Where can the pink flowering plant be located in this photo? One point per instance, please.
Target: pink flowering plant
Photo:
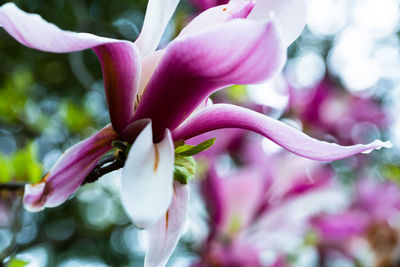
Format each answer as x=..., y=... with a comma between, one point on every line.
x=157, y=99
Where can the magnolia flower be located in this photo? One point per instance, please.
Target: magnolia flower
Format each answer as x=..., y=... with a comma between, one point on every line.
x=372, y=217
x=327, y=109
x=157, y=97
x=264, y=209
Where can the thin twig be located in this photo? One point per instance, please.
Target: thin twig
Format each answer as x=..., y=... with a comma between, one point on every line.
x=12, y=186
x=105, y=165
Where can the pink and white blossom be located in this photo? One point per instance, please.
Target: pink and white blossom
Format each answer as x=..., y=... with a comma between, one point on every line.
x=238, y=43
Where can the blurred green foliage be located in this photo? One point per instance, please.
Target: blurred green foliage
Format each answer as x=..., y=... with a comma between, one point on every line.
x=391, y=172
x=15, y=91
x=76, y=118
x=15, y=262
x=47, y=103
x=23, y=165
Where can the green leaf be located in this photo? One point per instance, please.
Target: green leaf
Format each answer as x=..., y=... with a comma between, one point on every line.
x=119, y=144
x=16, y=90
x=189, y=150
x=184, y=169
x=237, y=92
x=76, y=118
x=25, y=165
x=5, y=169
x=15, y=262
x=391, y=172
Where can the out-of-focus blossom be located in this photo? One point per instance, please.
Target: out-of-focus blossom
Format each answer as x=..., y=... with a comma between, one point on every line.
x=157, y=97
x=371, y=223
x=330, y=112
x=255, y=212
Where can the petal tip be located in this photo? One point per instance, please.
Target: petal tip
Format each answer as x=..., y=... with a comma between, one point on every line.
x=33, y=197
x=378, y=144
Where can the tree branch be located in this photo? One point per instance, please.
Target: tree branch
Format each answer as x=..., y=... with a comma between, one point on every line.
x=105, y=165
x=12, y=186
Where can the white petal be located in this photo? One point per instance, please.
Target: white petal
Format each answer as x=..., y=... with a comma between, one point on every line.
x=164, y=235
x=158, y=14
x=289, y=14
x=146, y=184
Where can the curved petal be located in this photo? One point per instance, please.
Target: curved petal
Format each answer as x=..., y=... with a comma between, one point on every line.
x=217, y=15
x=69, y=171
x=290, y=16
x=158, y=14
x=229, y=116
x=237, y=52
x=119, y=59
x=146, y=185
x=164, y=235
x=121, y=65
x=286, y=222
x=239, y=198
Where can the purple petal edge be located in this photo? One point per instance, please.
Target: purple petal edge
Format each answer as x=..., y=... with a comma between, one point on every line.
x=194, y=66
x=69, y=171
x=229, y=116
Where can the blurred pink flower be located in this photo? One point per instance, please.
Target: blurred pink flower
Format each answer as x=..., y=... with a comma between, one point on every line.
x=330, y=112
x=373, y=216
x=256, y=209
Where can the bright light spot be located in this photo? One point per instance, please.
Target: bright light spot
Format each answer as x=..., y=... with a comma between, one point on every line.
x=142, y=239
x=273, y=93
x=306, y=70
x=326, y=17
x=379, y=16
x=135, y=240
x=396, y=133
x=91, y=261
x=388, y=57
x=270, y=147
x=308, y=256
x=353, y=44
x=112, y=181
x=333, y=110
x=360, y=75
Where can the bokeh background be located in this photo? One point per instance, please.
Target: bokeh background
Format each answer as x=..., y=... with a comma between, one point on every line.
x=341, y=83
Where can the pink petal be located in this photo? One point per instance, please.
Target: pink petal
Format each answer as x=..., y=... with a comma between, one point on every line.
x=381, y=200
x=119, y=59
x=237, y=52
x=206, y=4
x=229, y=116
x=147, y=177
x=165, y=234
x=282, y=226
x=121, y=65
x=218, y=15
x=69, y=171
x=290, y=16
x=341, y=227
x=240, y=197
x=158, y=14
